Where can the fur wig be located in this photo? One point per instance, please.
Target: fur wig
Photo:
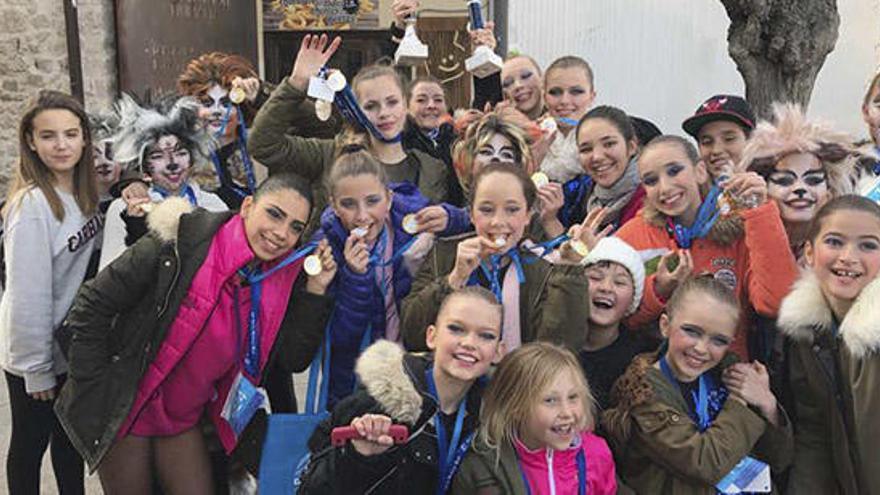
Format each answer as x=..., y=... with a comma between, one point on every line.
x=791, y=132
x=141, y=127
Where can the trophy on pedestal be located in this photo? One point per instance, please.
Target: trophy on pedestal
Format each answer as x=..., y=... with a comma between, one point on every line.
x=411, y=50
x=484, y=62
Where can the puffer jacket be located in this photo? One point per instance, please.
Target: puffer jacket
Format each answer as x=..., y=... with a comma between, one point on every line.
x=120, y=320
x=359, y=302
x=834, y=382
x=393, y=384
x=660, y=450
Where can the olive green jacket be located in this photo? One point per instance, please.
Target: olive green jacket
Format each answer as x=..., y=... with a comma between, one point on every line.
x=271, y=143
x=553, y=299
x=658, y=448
x=835, y=389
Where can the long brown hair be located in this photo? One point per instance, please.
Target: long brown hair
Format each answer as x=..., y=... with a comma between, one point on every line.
x=32, y=172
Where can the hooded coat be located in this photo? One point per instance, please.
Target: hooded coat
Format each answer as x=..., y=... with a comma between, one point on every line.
x=121, y=318
x=834, y=377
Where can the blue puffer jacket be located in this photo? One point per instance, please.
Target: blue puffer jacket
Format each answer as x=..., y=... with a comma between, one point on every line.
x=359, y=303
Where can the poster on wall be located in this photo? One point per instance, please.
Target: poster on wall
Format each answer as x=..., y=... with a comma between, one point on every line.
x=156, y=39
x=324, y=15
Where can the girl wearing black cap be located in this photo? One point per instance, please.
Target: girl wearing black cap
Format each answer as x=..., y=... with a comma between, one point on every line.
x=721, y=125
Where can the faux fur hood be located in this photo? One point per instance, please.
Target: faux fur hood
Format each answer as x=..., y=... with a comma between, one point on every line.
x=381, y=371
x=164, y=219
x=805, y=311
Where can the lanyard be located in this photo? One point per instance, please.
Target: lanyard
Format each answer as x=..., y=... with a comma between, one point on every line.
x=707, y=215
x=255, y=278
x=567, y=121
x=702, y=396
x=449, y=454
x=186, y=191
x=377, y=258
x=245, y=157
x=582, y=474
x=492, y=271
x=351, y=110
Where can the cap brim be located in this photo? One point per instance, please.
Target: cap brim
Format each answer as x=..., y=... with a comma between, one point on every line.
x=693, y=124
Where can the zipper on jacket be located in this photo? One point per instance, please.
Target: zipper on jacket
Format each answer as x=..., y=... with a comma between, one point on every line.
x=173, y=282
x=550, y=471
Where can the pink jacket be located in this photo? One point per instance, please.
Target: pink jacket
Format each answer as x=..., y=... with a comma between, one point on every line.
x=555, y=472
x=202, y=350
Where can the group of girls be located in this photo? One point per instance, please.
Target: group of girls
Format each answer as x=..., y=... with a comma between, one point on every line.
x=426, y=233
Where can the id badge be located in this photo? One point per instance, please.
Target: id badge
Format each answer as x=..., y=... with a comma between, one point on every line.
x=749, y=475
x=242, y=403
x=320, y=90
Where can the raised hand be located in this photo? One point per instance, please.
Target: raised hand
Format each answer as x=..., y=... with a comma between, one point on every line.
x=402, y=9
x=667, y=280
x=313, y=54
x=250, y=86
x=748, y=188
x=135, y=195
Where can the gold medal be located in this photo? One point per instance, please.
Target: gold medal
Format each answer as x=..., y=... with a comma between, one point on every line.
x=237, y=95
x=336, y=81
x=323, y=109
x=410, y=224
x=579, y=247
x=540, y=179
x=312, y=265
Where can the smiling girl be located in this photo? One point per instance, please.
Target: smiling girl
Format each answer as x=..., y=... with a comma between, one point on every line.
x=831, y=320
x=367, y=226
x=522, y=85
x=541, y=301
x=50, y=220
x=745, y=248
x=805, y=164
x=684, y=417
x=536, y=433
x=189, y=318
x=380, y=94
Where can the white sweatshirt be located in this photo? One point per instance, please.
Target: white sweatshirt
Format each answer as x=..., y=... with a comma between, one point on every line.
x=114, y=231
x=46, y=261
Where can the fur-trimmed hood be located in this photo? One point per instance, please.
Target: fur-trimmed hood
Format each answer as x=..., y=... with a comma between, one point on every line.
x=381, y=371
x=805, y=311
x=164, y=219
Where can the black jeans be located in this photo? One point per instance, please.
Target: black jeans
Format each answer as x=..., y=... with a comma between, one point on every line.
x=33, y=425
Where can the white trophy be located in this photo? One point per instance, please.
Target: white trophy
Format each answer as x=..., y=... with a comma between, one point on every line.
x=484, y=62
x=411, y=50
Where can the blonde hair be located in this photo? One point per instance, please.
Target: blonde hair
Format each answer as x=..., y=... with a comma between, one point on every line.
x=516, y=388
x=352, y=163
x=478, y=135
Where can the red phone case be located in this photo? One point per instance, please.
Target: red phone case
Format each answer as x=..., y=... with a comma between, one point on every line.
x=342, y=434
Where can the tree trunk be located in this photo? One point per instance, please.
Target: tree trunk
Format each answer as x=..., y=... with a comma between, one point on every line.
x=779, y=46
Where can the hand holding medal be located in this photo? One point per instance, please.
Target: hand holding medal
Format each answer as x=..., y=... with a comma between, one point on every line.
x=320, y=266
x=244, y=90
x=584, y=237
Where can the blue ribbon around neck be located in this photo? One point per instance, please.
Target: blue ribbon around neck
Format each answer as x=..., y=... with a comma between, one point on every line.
x=707, y=215
x=241, y=140
x=351, y=110
x=186, y=191
x=450, y=453
x=701, y=401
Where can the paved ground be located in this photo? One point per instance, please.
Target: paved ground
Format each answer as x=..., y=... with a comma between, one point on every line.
x=93, y=486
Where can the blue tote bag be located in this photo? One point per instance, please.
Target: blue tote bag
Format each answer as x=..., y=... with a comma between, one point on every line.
x=287, y=436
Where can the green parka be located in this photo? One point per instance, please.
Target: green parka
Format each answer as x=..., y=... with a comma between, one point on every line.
x=834, y=383
x=659, y=449
x=271, y=144
x=554, y=304
x=120, y=318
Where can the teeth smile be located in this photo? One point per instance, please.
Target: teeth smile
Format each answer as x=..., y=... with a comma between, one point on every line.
x=846, y=273
x=466, y=358
x=562, y=429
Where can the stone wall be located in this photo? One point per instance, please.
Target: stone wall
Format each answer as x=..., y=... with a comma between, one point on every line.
x=33, y=56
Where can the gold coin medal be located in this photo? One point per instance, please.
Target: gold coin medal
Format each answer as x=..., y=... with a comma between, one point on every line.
x=410, y=224
x=336, y=81
x=579, y=247
x=237, y=95
x=323, y=109
x=500, y=241
x=548, y=125
x=312, y=265
x=540, y=179
x=360, y=231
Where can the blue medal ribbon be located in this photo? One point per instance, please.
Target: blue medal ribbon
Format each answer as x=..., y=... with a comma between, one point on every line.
x=567, y=121
x=701, y=400
x=707, y=215
x=187, y=191
x=450, y=453
x=254, y=278
x=876, y=166
x=492, y=270
x=241, y=140
x=351, y=111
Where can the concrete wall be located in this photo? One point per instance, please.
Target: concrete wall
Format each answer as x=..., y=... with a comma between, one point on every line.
x=660, y=58
x=33, y=56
